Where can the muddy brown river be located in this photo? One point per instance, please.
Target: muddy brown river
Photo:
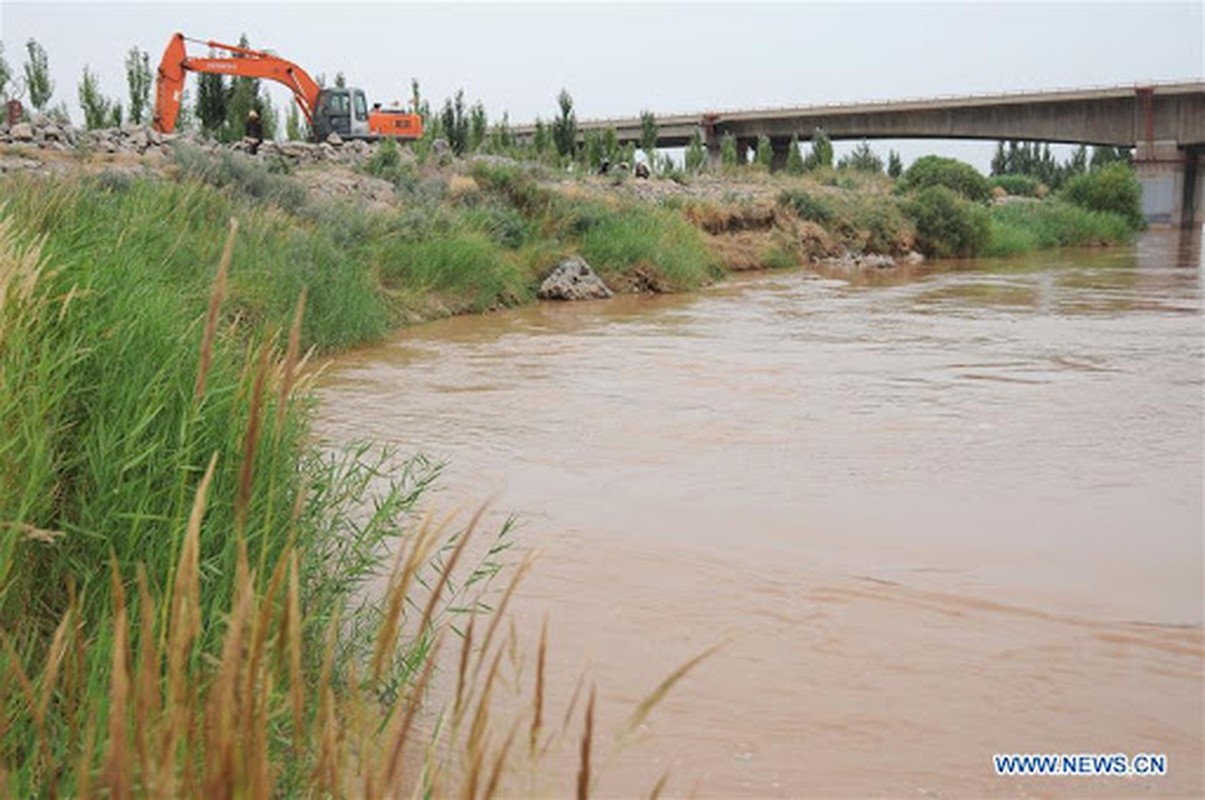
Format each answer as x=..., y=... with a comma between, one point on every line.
x=935, y=514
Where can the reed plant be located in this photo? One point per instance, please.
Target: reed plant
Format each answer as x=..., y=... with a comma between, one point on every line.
x=1022, y=227
x=183, y=571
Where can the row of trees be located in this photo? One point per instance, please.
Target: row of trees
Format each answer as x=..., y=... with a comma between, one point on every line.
x=221, y=108
x=223, y=104
x=1034, y=160
x=99, y=111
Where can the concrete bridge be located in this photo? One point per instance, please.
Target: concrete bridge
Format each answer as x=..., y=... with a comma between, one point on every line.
x=1165, y=123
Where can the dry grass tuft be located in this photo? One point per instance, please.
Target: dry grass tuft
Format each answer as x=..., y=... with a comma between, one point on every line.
x=216, y=295
x=461, y=187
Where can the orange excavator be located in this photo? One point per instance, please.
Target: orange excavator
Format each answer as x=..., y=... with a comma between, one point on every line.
x=341, y=110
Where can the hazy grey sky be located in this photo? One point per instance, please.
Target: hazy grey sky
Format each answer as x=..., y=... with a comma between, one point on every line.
x=616, y=59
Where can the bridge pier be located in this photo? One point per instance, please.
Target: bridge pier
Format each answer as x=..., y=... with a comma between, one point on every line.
x=743, y=145
x=781, y=149
x=1171, y=179
x=711, y=140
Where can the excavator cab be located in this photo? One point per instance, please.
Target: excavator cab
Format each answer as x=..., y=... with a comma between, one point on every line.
x=343, y=111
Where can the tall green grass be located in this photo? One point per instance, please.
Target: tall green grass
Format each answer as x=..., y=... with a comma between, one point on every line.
x=181, y=570
x=1023, y=227
x=655, y=247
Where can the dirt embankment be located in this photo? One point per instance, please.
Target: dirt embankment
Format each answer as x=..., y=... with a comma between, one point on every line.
x=743, y=219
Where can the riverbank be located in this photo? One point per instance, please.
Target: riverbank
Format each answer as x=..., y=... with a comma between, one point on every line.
x=383, y=240
x=156, y=428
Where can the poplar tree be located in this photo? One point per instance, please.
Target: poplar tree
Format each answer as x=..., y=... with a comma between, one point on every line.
x=37, y=76
x=895, y=167
x=478, y=126
x=212, y=96
x=293, y=127
x=539, y=140
x=98, y=110
x=501, y=140
x=822, y=151
x=611, y=145
x=184, y=121
x=456, y=123
x=5, y=74
x=728, y=155
x=794, y=157
x=765, y=151
x=564, y=127
x=593, y=149
x=648, y=135
x=696, y=154
x=138, y=78
x=243, y=97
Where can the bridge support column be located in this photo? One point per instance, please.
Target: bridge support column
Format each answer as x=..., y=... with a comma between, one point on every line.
x=1193, y=191
x=711, y=139
x=743, y=146
x=1171, y=180
x=781, y=149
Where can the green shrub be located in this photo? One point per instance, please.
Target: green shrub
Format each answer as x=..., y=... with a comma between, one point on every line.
x=386, y=163
x=779, y=256
x=514, y=183
x=877, y=224
x=503, y=224
x=241, y=174
x=1017, y=185
x=947, y=225
x=951, y=173
x=1113, y=188
x=806, y=205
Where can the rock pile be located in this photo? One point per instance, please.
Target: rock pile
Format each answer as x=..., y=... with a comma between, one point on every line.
x=573, y=279
x=46, y=134
x=850, y=260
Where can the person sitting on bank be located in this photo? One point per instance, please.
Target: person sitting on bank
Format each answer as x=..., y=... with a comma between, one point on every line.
x=254, y=132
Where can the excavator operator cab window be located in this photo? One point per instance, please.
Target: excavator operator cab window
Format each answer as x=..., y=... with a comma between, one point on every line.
x=361, y=105
x=338, y=104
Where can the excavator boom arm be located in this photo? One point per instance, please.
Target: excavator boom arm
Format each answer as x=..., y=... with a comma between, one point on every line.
x=242, y=62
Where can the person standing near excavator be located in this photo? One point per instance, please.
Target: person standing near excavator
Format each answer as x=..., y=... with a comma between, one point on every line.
x=253, y=131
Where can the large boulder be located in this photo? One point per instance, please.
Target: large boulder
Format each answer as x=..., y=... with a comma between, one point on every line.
x=22, y=132
x=573, y=279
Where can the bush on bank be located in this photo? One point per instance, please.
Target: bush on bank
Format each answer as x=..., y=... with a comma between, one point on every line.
x=948, y=226
x=955, y=175
x=1112, y=189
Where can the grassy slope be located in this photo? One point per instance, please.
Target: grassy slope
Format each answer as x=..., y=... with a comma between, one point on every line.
x=118, y=390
